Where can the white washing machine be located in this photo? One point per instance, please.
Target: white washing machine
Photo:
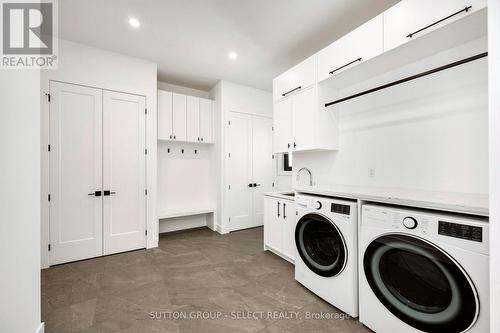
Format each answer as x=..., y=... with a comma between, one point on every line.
x=423, y=271
x=326, y=242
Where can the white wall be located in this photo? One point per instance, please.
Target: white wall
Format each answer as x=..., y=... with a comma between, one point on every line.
x=494, y=121
x=428, y=134
x=182, y=90
x=20, y=201
x=85, y=65
x=229, y=97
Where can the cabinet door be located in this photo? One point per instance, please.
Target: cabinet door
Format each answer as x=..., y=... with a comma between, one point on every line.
x=303, y=110
x=273, y=224
x=193, y=119
x=179, y=117
x=288, y=229
x=206, y=120
x=295, y=79
x=361, y=44
x=403, y=21
x=164, y=115
x=282, y=121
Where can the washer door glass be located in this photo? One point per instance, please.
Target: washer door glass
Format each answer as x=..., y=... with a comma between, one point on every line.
x=320, y=245
x=420, y=284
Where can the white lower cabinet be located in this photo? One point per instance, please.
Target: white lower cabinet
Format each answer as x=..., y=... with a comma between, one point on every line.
x=279, y=227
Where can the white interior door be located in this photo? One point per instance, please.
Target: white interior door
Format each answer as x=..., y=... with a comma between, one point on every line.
x=75, y=172
x=239, y=171
x=124, y=176
x=263, y=166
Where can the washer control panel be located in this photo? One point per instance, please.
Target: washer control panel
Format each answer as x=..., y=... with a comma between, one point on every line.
x=410, y=222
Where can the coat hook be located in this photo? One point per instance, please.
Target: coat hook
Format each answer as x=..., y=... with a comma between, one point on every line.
x=182, y=150
x=168, y=150
x=196, y=151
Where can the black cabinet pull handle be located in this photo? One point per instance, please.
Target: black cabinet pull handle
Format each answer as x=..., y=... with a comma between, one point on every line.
x=291, y=91
x=294, y=145
x=343, y=66
x=174, y=137
x=288, y=145
x=170, y=136
x=466, y=9
x=284, y=210
x=256, y=184
x=198, y=139
x=95, y=194
x=278, y=209
x=201, y=139
x=250, y=185
x=108, y=192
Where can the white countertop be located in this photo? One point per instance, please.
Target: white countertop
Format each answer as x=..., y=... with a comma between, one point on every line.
x=281, y=195
x=467, y=203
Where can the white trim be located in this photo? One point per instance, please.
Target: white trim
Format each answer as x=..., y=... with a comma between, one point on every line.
x=184, y=212
x=41, y=328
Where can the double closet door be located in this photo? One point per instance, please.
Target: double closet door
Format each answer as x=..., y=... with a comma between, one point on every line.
x=250, y=168
x=97, y=172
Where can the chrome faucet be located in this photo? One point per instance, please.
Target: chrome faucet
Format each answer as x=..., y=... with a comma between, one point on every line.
x=310, y=175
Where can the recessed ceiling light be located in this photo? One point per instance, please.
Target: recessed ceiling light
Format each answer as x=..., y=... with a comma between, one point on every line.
x=233, y=55
x=134, y=23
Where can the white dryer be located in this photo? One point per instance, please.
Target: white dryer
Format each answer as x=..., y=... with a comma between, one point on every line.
x=326, y=242
x=423, y=271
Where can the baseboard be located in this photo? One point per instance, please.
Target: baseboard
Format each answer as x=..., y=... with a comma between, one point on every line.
x=41, y=328
x=279, y=254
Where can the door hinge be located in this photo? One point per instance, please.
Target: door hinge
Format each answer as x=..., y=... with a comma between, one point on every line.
x=272, y=156
x=146, y=232
x=229, y=219
x=49, y=247
x=48, y=97
x=146, y=192
x=229, y=122
x=229, y=155
x=145, y=111
x=145, y=151
x=273, y=184
x=48, y=147
x=229, y=186
x=272, y=128
x=49, y=197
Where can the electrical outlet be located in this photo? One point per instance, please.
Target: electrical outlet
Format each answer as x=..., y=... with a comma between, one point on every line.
x=371, y=172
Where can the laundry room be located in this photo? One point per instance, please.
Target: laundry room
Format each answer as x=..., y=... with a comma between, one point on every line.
x=214, y=166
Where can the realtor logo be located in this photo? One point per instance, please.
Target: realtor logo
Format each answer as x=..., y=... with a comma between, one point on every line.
x=28, y=34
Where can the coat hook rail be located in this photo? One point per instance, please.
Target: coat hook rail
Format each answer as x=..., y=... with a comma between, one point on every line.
x=409, y=78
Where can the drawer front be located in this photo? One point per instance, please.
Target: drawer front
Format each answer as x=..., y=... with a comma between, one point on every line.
x=411, y=19
x=359, y=45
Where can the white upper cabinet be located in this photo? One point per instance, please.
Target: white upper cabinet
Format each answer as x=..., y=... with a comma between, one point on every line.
x=179, y=106
x=206, y=120
x=193, y=119
x=411, y=19
x=282, y=122
x=298, y=78
x=357, y=46
x=184, y=118
x=304, y=110
x=164, y=115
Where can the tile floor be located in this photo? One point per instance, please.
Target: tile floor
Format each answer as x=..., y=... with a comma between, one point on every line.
x=192, y=273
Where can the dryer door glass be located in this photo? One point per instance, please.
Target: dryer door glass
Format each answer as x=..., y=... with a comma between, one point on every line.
x=420, y=284
x=320, y=245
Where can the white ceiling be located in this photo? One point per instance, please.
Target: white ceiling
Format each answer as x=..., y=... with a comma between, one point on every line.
x=190, y=39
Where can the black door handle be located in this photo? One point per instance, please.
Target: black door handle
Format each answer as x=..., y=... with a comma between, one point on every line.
x=255, y=184
x=466, y=9
x=291, y=91
x=284, y=210
x=95, y=194
x=108, y=192
x=278, y=209
x=343, y=66
x=250, y=185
